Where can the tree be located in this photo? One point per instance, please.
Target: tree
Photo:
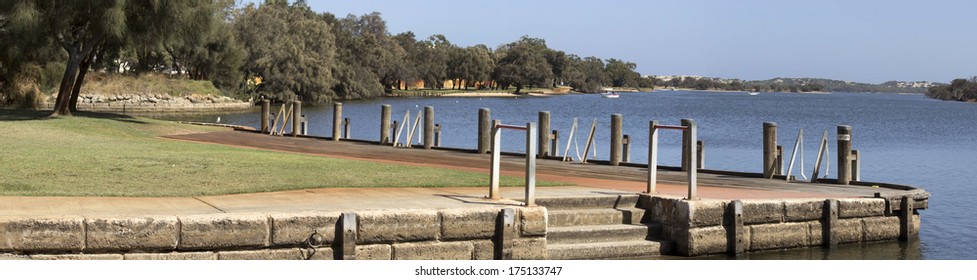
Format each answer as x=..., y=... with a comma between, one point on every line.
x=523, y=63
x=585, y=74
x=290, y=48
x=622, y=73
x=432, y=58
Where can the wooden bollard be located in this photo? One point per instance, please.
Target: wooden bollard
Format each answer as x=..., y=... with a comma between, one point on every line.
x=505, y=234
x=347, y=235
x=555, y=146
x=616, y=139
x=385, y=132
x=345, y=128
x=337, y=118
x=626, y=144
x=296, y=117
x=829, y=223
x=769, y=149
x=544, y=129
x=780, y=161
x=305, y=125
x=906, y=223
x=393, y=131
x=856, y=166
x=428, y=127
x=700, y=147
x=265, y=116
x=484, y=130
x=437, y=135
x=844, y=154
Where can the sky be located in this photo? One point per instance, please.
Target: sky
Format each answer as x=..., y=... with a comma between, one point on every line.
x=861, y=41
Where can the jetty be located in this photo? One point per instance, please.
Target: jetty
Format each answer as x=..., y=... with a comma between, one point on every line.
x=611, y=209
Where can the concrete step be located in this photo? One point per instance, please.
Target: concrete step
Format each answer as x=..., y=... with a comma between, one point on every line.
x=605, y=250
x=594, y=216
x=598, y=233
x=603, y=201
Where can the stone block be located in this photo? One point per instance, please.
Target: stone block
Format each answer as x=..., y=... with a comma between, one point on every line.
x=42, y=234
x=484, y=250
x=704, y=241
x=272, y=254
x=880, y=228
x=296, y=228
x=79, y=257
x=763, y=212
x=816, y=233
x=779, y=236
x=848, y=230
x=319, y=254
x=461, y=250
x=176, y=256
x=798, y=211
x=703, y=213
x=530, y=249
x=685, y=213
x=373, y=252
x=467, y=224
x=222, y=231
x=860, y=207
x=119, y=234
x=398, y=226
x=533, y=221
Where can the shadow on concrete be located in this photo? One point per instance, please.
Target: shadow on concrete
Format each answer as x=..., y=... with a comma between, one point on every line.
x=471, y=199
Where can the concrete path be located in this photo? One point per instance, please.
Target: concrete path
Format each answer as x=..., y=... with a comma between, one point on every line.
x=587, y=180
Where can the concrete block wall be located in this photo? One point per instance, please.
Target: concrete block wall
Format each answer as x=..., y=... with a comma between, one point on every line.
x=427, y=234
x=702, y=227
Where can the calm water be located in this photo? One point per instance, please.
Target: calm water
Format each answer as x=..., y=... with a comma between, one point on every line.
x=906, y=139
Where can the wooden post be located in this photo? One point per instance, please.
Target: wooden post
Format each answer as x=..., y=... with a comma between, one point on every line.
x=700, y=148
x=265, y=116
x=385, y=111
x=856, y=166
x=844, y=154
x=305, y=125
x=555, y=146
x=346, y=125
x=769, y=149
x=337, y=118
x=829, y=223
x=437, y=135
x=428, y=127
x=544, y=137
x=735, y=230
x=626, y=144
x=692, y=132
x=348, y=230
x=296, y=117
x=484, y=130
x=616, y=139
x=652, y=157
x=505, y=233
x=780, y=161
x=906, y=223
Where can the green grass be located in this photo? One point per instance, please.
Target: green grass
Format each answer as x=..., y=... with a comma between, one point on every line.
x=112, y=155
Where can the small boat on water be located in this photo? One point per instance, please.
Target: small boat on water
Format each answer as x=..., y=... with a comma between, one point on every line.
x=609, y=94
x=753, y=93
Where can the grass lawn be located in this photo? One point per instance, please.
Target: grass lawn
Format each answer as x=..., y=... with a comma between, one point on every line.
x=111, y=155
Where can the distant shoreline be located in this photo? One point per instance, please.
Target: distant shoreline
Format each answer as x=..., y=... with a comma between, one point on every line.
x=737, y=91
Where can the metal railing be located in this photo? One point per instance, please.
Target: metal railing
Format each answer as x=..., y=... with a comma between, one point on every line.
x=531, y=136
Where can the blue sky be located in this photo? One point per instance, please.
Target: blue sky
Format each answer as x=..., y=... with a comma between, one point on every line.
x=865, y=41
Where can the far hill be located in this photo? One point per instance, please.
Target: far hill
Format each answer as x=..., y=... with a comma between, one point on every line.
x=790, y=84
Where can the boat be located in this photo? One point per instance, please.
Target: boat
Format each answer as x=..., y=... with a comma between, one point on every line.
x=753, y=93
x=609, y=94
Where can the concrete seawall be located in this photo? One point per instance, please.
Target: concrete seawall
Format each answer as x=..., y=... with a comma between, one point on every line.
x=702, y=227
x=687, y=228
x=425, y=234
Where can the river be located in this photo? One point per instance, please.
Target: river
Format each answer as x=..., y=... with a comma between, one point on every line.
x=904, y=139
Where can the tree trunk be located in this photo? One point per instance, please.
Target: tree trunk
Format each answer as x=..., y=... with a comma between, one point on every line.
x=76, y=88
x=67, y=82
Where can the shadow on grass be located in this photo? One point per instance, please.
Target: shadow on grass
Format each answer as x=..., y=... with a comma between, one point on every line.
x=30, y=115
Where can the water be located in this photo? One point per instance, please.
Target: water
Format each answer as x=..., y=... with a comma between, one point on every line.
x=905, y=139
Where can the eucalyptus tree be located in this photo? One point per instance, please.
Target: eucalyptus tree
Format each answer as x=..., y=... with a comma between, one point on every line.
x=523, y=63
x=431, y=60
x=408, y=70
x=585, y=74
x=622, y=73
x=290, y=48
